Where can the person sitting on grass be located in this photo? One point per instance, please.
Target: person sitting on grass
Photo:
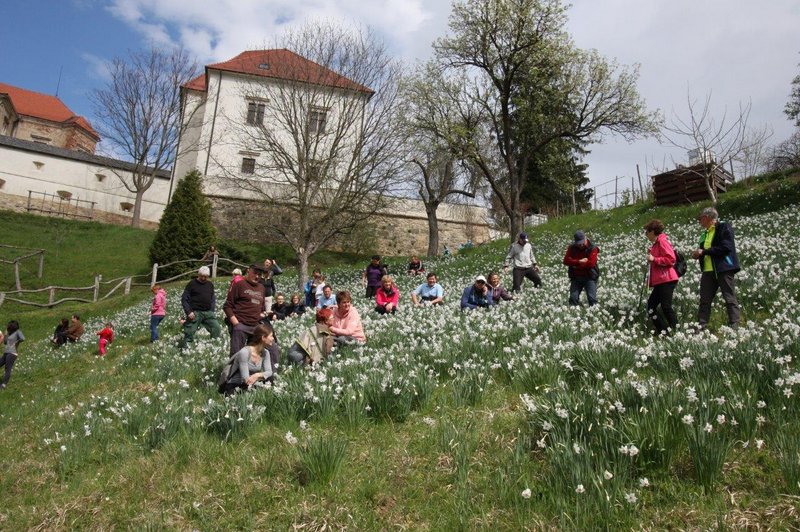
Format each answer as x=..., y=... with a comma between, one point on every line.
x=430, y=293
x=315, y=343
x=328, y=300
x=387, y=297
x=73, y=332
x=61, y=331
x=347, y=322
x=295, y=307
x=252, y=363
x=280, y=308
x=499, y=293
x=415, y=267
x=477, y=295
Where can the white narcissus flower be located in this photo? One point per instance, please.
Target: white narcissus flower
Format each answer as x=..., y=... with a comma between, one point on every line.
x=526, y=493
x=608, y=475
x=580, y=489
x=291, y=438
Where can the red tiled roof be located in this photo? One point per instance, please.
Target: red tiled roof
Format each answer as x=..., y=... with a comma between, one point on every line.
x=279, y=64
x=45, y=107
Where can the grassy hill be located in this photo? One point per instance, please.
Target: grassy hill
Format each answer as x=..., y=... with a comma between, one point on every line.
x=532, y=415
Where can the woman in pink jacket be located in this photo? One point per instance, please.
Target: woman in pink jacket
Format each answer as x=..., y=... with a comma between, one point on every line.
x=663, y=277
x=157, y=310
x=387, y=296
x=347, y=326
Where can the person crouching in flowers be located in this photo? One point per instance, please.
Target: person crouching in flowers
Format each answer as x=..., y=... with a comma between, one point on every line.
x=106, y=337
x=477, y=295
x=251, y=363
x=346, y=321
x=387, y=297
x=499, y=293
x=663, y=277
x=315, y=343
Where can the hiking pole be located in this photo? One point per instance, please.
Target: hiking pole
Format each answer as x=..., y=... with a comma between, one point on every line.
x=644, y=284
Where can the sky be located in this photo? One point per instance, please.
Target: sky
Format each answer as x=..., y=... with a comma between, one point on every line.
x=738, y=51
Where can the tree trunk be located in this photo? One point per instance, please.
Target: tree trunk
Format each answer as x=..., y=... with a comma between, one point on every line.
x=433, y=229
x=710, y=186
x=302, y=273
x=137, y=209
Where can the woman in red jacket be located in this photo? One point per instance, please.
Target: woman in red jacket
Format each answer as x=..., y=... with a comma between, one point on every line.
x=663, y=277
x=387, y=297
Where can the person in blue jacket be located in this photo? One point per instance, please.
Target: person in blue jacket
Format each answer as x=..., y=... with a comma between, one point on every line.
x=716, y=253
x=477, y=295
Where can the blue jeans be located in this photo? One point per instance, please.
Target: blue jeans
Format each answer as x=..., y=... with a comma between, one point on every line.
x=579, y=284
x=154, y=321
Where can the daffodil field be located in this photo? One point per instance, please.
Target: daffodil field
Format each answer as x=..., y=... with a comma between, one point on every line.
x=532, y=414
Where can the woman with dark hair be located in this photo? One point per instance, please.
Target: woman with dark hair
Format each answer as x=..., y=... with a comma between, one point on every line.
x=251, y=363
x=12, y=339
x=295, y=307
x=61, y=331
x=663, y=277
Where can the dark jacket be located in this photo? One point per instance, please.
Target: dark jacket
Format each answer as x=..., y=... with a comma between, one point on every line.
x=722, y=250
x=472, y=298
x=499, y=293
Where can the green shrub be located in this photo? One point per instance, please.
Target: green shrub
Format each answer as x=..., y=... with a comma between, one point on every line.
x=185, y=230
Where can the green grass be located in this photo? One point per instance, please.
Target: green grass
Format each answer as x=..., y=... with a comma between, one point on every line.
x=452, y=449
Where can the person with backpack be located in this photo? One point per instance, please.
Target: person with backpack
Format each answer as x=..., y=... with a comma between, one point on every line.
x=581, y=262
x=663, y=277
x=250, y=364
x=315, y=343
x=716, y=253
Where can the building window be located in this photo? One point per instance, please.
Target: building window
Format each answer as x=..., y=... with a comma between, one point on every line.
x=316, y=121
x=40, y=139
x=255, y=113
x=248, y=165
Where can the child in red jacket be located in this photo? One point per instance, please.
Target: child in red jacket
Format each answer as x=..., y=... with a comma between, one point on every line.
x=106, y=337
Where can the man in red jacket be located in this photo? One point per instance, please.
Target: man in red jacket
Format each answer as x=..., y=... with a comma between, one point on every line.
x=581, y=262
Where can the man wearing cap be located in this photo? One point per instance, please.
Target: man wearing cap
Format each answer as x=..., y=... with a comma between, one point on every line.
x=581, y=262
x=716, y=253
x=520, y=256
x=477, y=295
x=244, y=308
x=199, y=305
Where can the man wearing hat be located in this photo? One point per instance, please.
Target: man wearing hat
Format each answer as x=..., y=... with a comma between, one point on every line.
x=581, y=262
x=477, y=295
x=716, y=253
x=520, y=256
x=244, y=307
x=199, y=305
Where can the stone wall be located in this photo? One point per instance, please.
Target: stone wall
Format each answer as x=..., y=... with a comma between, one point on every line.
x=387, y=233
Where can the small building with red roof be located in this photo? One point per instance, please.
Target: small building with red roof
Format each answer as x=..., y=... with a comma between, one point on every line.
x=44, y=119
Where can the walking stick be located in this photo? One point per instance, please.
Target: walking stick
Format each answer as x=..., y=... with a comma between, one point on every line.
x=644, y=284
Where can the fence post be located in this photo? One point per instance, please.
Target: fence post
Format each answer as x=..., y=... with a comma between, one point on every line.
x=154, y=277
x=96, y=292
x=2, y=297
x=52, y=295
x=128, y=285
x=214, y=266
x=16, y=274
x=41, y=264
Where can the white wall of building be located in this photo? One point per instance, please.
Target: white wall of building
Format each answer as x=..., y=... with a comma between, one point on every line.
x=25, y=171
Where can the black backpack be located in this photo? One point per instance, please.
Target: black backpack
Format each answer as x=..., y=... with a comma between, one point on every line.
x=680, y=263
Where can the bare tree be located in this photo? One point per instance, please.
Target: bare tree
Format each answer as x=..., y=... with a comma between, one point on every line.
x=786, y=155
x=325, y=141
x=716, y=142
x=534, y=87
x=436, y=130
x=754, y=157
x=139, y=114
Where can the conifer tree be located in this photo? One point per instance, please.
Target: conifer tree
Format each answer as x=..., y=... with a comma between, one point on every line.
x=185, y=230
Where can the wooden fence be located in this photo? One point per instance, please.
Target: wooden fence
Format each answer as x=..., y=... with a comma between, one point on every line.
x=17, y=260
x=96, y=292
